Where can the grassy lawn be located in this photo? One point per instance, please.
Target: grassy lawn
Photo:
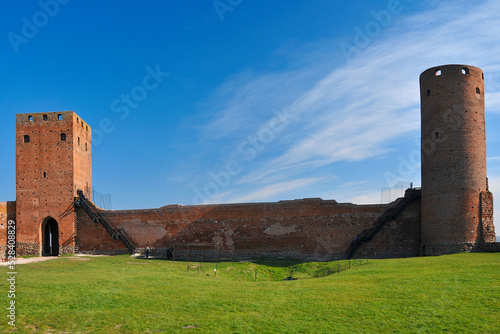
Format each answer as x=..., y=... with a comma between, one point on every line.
x=447, y=294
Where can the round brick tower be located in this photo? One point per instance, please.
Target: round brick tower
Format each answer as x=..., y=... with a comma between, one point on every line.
x=453, y=158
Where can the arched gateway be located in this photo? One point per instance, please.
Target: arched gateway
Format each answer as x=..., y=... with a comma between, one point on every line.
x=50, y=237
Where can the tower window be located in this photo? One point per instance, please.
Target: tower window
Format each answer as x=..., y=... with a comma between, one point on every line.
x=87, y=128
x=26, y=139
x=44, y=175
x=45, y=117
x=63, y=137
x=437, y=73
x=478, y=91
x=428, y=92
x=85, y=146
x=59, y=117
x=30, y=118
x=78, y=140
x=465, y=70
x=436, y=135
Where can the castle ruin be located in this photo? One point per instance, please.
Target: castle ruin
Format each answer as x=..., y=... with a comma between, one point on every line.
x=452, y=212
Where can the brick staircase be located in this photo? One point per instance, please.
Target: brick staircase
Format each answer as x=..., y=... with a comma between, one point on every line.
x=97, y=217
x=390, y=214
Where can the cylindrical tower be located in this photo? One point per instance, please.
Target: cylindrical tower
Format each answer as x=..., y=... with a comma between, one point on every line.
x=453, y=158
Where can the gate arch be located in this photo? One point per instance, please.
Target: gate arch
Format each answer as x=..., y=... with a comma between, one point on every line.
x=50, y=237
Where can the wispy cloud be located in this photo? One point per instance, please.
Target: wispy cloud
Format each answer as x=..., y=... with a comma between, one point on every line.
x=356, y=110
x=272, y=190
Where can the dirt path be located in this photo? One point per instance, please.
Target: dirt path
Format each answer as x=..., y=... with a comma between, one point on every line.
x=29, y=260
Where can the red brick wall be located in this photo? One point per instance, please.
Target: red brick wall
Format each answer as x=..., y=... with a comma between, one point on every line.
x=488, y=228
x=7, y=212
x=453, y=158
x=48, y=172
x=309, y=228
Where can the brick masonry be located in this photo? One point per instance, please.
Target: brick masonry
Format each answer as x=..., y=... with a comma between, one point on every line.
x=53, y=160
x=308, y=228
x=453, y=158
x=487, y=227
x=455, y=214
x=7, y=212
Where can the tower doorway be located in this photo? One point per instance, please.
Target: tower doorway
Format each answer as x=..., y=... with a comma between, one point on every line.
x=50, y=237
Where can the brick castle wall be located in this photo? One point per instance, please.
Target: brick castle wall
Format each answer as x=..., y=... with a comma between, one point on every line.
x=7, y=212
x=309, y=228
x=487, y=226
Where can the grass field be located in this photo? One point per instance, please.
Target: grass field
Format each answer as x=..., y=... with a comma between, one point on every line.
x=447, y=294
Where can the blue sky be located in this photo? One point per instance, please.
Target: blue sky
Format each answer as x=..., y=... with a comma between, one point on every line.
x=249, y=100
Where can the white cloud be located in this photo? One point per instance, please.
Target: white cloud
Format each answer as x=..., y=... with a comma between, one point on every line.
x=356, y=110
x=371, y=198
x=267, y=192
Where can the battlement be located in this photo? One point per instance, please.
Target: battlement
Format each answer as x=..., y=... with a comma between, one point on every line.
x=451, y=82
x=452, y=70
x=51, y=117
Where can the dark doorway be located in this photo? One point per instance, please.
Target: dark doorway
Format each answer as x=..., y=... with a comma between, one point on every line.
x=50, y=238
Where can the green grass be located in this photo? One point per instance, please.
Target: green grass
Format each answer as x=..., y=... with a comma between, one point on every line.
x=447, y=294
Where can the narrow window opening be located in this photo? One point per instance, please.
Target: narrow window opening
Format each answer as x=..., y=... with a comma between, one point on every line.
x=59, y=117
x=26, y=139
x=44, y=175
x=436, y=135
x=45, y=117
x=87, y=128
x=30, y=118
x=478, y=91
x=428, y=92
x=78, y=140
x=465, y=70
x=437, y=73
x=85, y=146
x=63, y=137
x=482, y=76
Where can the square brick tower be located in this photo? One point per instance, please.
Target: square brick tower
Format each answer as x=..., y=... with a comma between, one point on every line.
x=53, y=161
